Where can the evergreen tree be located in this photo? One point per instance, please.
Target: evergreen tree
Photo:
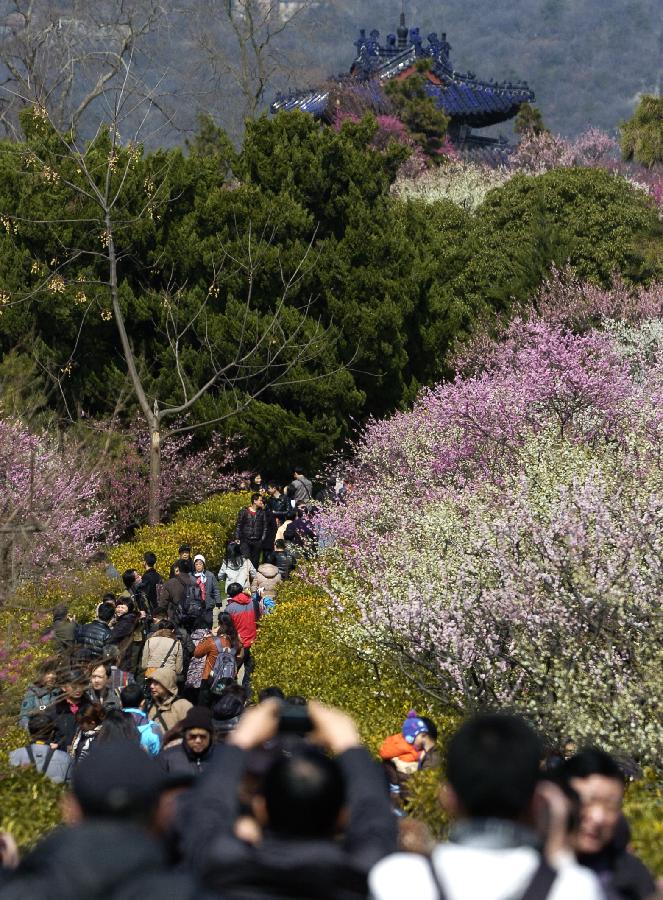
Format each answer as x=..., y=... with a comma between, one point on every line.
x=642, y=134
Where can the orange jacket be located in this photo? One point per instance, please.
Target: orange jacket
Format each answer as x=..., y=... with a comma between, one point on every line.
x=396, y=746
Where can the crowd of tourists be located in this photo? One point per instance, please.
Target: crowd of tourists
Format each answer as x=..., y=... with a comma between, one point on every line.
x=181, y=783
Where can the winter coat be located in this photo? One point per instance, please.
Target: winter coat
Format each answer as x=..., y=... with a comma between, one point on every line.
x=332, y=869
x=149, y=581
x=267, y=580
x=82, y=743
x=109, y=699
x=180, y=760
x=243, y=614
x=100, y=859
x=241, y=575
x=302, y=490
x=163, y=650
x=170, y=711
x=208, y=650
x=63, y=635
x=396, y=747
x=122, y=635
x=194, y=674
x=93, y=638
x=210, y=590
x=279, y=506
x=270, y=529
x=151, y=734
x=64, y=720
x=37, y=699
x=172, y=596
x=285, y=562
x=59, y=764
x=251, y=527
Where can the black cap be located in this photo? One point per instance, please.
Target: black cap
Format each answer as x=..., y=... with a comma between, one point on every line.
x=118, y=778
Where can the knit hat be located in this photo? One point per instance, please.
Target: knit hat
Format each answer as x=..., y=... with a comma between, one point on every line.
x=199, y=556
x=198, y=717
x=413, y=726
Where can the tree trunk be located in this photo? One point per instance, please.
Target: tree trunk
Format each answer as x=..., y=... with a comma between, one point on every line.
x=154, y=497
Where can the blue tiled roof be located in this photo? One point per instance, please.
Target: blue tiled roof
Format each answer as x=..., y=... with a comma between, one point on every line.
x=462, y=96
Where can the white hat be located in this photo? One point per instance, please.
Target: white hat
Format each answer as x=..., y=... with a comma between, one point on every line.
x=199, y=556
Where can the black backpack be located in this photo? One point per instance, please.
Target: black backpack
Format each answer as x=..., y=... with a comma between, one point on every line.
x=192, y=605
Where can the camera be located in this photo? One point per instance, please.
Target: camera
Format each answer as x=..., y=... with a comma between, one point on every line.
x=295, y=719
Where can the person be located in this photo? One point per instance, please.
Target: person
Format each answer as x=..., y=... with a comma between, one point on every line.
x=328, y=492
x=302, y=489
x=112, y=845
x=171, y=594
x=493, y=791
x=196, y=751
x=278, y=503
x=42, y=694
x=251, y=529
x=119, y=678
x=283, y=559
x=405, y=749
x=151, y=578
x=236, y=568
x=100, y=690
x=118, y=726
x=183, y=555
x=225, y=637
x=163, y=650
x=324, y=821
x=288, y=519
x=299, y=534
x=64, y=630
x=65, y=710
x=266, y=581
x=600, y=841
x=209, y=588
x=150, y=733
x=243, y=614
x=93, y=639
x=165, y=707
x=127, y=633
x=88, y=719
x=227, y=711
x=48, y=760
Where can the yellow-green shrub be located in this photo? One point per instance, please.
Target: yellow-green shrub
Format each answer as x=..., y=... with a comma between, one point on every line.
x=301, y=649
x=29, y=805
x=207, y=526
x=644, y=809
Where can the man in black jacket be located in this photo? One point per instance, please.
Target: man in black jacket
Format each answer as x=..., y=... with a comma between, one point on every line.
x=601, y=837
x=93, y=638
x=306, y=800
x=251, y=529
x=111, y=847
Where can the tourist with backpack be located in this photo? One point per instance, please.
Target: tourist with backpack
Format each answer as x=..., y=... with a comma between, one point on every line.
x=244, y=615
x=223, y=653
x=170, y=594
x=39, y=753
x=163, y=650
x=503, y=817
x=196, y=751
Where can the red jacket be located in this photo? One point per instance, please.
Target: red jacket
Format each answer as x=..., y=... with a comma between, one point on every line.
x=240, y=608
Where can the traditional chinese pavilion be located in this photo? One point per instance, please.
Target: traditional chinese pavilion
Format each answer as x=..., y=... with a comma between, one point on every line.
x=469, y=102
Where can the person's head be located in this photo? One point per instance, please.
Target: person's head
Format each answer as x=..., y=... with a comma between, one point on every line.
x=166, y=625
x=199, y=563
x=99, y=676
x=257, y=501
x=299, y=472
x=302, y=795
x=185, y=551
x=158, y=691
x=132, y=696
x=233, y=589
x=118, y=726
x=106, y=612
x=60, y=612
x=125, y=605
x=149, y=559
x=279, y=545
x=90, y=716
x=492, y=768
x=273, y=489
x=227, y=627
x=183, y=567
x=47, y=673
x=268, y=692
x=75, y=683
x=197, y=729
x=234, y=556
x=430, y=735
x=41, y=727
x=414, y=730
x=109, y=598
x=597, y=779
x=129, y=578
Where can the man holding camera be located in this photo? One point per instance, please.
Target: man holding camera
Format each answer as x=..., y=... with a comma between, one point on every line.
x=320, y=821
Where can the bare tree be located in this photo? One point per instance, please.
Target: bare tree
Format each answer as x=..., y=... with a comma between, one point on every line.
x=64, y=56
x=269, y=348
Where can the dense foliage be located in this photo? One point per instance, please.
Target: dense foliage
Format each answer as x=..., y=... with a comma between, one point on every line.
x=642, y=134
x=505, y=533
